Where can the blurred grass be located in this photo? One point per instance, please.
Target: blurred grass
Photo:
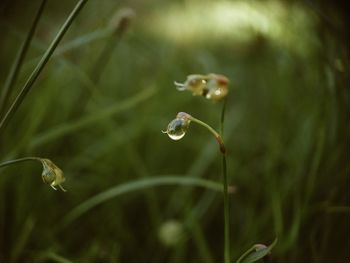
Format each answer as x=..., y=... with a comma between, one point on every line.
x=287, y=134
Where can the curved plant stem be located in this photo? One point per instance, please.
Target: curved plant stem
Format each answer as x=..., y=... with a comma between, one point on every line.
x=16, y=66
x=215, y=133
x=36, y=72
x=24, y=159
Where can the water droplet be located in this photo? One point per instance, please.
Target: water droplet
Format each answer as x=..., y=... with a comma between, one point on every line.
x=177, y=128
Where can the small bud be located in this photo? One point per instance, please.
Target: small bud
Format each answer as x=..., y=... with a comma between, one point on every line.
x=171, y=233
x=178, y=127
x=212, y=86
x=52, y=175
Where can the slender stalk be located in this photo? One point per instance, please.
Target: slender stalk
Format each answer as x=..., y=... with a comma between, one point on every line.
x=224, y=178
x=17, y=65
x=36, y=72
x=215, y=133
x=24, y=159
x=222, y=119
x=227, y=243
x=226, y=211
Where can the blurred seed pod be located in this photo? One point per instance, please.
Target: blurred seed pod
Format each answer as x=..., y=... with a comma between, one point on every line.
x=212, y=86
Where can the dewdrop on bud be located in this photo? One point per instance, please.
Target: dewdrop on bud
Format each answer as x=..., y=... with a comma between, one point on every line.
x=178, y=127
x=52, y=175
x=212, y=86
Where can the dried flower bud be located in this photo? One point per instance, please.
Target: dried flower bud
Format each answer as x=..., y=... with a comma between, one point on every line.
x=212, y=86
x=178, y=127
x=52, y=175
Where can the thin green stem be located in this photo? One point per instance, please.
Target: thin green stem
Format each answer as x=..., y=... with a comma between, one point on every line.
x=226, y=212
x=24, y=159
x=227, y=243
x=215, y=133
x=222, y=119
x=225, y=181
x=17, y=65
x=36, y=72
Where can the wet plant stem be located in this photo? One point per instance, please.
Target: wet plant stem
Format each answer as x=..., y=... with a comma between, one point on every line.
x=36, y=72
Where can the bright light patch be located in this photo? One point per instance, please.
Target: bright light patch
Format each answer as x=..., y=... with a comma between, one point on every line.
x=234, y=21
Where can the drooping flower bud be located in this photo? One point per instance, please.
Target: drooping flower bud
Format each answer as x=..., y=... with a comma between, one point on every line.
x=52, y=175
x=212, y=86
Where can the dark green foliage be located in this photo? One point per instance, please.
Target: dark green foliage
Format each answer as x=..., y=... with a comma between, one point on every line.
x=286, y=132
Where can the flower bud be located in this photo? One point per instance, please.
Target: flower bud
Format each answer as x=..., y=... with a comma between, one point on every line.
x=52, y=175
x=212, y=86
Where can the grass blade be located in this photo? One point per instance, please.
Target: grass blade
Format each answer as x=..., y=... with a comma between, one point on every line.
x=17, y=65
x=36, y=72
x=75, y=125
x=135, y=186
x=252, y=255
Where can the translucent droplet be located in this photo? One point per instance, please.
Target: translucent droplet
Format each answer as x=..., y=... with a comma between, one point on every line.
x=177, y=128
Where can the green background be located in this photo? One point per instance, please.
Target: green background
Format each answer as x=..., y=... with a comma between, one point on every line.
x=98, y=108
